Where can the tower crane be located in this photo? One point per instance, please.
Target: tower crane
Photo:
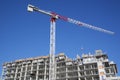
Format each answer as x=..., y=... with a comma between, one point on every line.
x=54, y=16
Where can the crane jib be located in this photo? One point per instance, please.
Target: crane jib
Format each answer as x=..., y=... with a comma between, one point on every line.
x=89, y=26
x=85, y=25
x=81, y=23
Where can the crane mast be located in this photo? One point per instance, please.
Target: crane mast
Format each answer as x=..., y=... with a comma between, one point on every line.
x=52, y=74
x=54, y=16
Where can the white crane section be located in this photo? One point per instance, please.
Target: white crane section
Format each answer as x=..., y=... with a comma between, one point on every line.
x=54, y=16
x=52, y=67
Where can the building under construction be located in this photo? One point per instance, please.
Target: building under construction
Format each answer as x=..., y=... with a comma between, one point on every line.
x=86, y=67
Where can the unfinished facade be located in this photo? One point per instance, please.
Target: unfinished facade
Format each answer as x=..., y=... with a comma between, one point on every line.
x=87, y=67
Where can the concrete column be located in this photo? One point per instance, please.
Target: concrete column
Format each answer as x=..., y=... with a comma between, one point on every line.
x=31, y=70
x=25, y=71
x=37, y=71
x=92, y=72
x=114, y=70
x=45, y=70
x=109, y=70
x=84, y=67
x=66, y=73
x=78, y=72
x=91, y=67
x=16, y=73
x=84, y=72
x=21, y=72
x=92, y=78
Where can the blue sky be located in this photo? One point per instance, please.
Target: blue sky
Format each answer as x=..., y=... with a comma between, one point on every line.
x=24, y=34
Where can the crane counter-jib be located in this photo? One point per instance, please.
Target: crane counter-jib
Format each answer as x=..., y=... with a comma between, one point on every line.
x=32, y=8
